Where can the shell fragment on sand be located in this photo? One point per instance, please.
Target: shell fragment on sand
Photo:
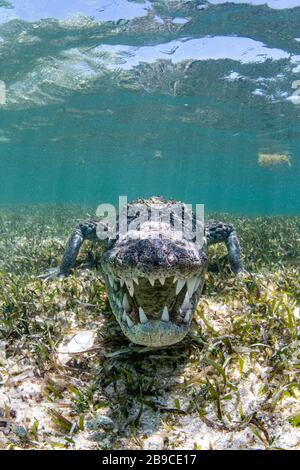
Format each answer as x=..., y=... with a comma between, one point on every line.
x=77, y=343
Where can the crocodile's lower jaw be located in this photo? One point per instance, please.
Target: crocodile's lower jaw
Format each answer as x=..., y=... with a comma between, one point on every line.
x=155, y=333
x=154, y=311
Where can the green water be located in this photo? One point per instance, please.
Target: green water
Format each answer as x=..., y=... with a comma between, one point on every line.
x=159, y=97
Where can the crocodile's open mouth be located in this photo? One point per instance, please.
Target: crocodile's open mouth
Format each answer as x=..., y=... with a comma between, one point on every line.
x=154, y=311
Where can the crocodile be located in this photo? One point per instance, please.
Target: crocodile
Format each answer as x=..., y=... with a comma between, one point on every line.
x=153, y=280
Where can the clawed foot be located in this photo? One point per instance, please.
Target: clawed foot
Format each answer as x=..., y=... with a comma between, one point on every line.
x=52, y=273
x=243, y=274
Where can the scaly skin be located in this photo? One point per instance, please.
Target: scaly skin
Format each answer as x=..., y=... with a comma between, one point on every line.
x=153, y=283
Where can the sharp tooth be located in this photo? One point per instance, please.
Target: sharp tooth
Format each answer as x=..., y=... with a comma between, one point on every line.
x=197, y=283
x=165, y=315
x=180, y=284
x=125, y=303
x=124, y=316
x=186, y=302
x=130, y=287
x=111, y=281
x=152, y=281
x=129, y=321
x=187, y=317
x=136, y=280
x=143, y=316
x=122, y=282
x=131, y=291
x=191, y=285
x=162, y=280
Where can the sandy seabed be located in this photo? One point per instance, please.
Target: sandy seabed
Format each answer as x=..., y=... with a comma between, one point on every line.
x=232, y=383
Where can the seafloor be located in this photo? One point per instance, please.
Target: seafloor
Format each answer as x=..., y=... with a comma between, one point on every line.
x=233, y=383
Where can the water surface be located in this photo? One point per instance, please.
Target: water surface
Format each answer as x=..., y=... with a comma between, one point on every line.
x=178, y=98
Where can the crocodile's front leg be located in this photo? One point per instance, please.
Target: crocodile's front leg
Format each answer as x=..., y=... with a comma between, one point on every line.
x=84, y=231
x=218, y=232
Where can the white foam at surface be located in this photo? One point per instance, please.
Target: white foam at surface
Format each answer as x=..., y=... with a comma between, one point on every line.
x=274, y=4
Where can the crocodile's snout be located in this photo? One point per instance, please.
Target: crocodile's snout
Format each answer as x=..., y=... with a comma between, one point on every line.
x=155, y=257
